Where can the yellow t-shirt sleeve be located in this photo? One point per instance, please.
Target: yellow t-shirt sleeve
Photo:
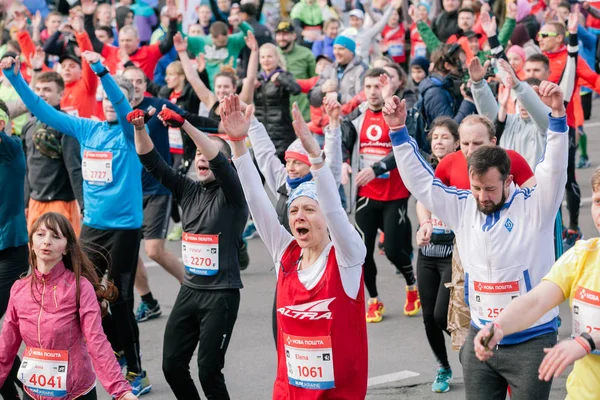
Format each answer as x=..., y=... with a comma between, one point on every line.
x=563, y=272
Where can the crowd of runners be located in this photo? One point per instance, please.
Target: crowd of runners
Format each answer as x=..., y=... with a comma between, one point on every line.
x=309, y=125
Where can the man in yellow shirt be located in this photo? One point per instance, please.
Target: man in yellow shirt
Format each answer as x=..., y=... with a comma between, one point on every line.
x=576, y=277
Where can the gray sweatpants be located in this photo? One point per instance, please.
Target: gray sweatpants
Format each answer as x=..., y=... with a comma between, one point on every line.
x=515, y=365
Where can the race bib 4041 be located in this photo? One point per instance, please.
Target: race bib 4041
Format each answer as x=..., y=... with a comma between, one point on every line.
x=44, y=372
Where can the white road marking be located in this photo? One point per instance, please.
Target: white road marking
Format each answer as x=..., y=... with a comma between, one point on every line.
x=396, y=376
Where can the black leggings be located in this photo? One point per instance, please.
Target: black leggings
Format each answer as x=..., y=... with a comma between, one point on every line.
x=208, y=317
x=117, y=251
x=14, y=261
x=91, y=395
x=572, y=187
x=392, y=218
x=433, y=273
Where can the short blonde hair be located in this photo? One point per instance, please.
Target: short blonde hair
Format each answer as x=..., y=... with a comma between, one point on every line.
x=596, y=180
x=176, y=67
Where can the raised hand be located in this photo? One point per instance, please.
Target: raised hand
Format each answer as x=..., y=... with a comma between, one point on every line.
x=235, y=122
x=394, y=112
x=123, y=56
x=170, y=117
x=88, y=6
x=414, y=14
x=77, y=23
x=573, y=21
x=172, y=11
x=251, y=41
x=396, y=4
x=332, y=107
x=386, y=86
x=20, y=20
x=510, y=78
x=201, y=62
x=552, y=96
x=503, y=97
x=180, y=43
x=37, y=59
x=9, y=62
x=36, y=21
x=488, y=24
x=511, y=10
x=90, y=57
x=304, y=134
x=139, y=118
x=476, y=70
x=559, y=357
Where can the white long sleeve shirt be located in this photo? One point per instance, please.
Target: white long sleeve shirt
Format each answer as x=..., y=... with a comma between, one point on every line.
x=349, y=247
x=504, y=254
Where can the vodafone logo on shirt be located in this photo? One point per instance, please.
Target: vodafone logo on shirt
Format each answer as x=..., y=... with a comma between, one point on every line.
x=310, y=311
x=374, y=133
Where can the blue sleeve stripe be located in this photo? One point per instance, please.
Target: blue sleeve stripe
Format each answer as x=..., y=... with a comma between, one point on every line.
x=399, y=137
x=558, y=125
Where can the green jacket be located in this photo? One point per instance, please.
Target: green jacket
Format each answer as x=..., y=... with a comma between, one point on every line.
x=433, y=43
x=301, y=63
x=217, y=57
x=309, y=15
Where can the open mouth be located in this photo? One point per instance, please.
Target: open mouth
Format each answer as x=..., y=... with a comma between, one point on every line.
x=301, y=233
x=203, y=170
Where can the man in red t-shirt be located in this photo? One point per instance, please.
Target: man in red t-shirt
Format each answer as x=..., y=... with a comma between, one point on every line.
x=378, y=195
x=476, y=131
x=144, y=57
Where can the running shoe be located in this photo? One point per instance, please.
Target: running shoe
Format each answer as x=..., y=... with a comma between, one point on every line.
x=120, y=355
x=250, y=231
x=583, y=163
x=380, y=243
x=243, y=256
x=570, y=236
x=145, y=312
x=140, y=384
x=413, y=302
x=175, y=233
x=375, y=311
x=442, y=380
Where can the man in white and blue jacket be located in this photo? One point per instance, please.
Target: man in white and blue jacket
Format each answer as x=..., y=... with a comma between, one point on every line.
x=504, y=236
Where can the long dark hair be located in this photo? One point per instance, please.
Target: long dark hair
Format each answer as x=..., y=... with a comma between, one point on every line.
x=75, y=260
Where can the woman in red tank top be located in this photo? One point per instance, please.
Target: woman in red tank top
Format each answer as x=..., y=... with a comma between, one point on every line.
x=322, y=336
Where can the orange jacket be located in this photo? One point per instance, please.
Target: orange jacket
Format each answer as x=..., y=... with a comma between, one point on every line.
x=80, y=96
x=584, y=76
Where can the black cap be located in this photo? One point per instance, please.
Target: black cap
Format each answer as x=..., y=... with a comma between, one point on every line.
x=9, y=54
x=70, y=56
x=471, y=34
x=285, y=26
x=323, y=57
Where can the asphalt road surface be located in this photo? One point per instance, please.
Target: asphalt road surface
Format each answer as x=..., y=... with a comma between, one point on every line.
x=401, y=364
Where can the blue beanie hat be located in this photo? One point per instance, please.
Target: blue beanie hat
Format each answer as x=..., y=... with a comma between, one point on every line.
x=346, y=42
x=422, y=63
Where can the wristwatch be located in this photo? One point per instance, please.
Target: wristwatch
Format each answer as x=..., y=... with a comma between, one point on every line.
x=317, y=160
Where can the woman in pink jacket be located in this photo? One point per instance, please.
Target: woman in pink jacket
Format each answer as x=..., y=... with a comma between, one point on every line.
x=55, y=310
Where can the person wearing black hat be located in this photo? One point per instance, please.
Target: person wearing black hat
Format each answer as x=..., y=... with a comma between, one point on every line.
x=299, y=60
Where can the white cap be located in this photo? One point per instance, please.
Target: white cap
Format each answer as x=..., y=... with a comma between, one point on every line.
x=358, y=14
x=163, y=11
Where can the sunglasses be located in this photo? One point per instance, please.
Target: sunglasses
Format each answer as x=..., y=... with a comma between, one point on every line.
x=546, y=35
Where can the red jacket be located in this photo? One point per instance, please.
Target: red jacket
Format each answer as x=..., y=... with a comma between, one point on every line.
x=584, y=76
x=79, y=96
